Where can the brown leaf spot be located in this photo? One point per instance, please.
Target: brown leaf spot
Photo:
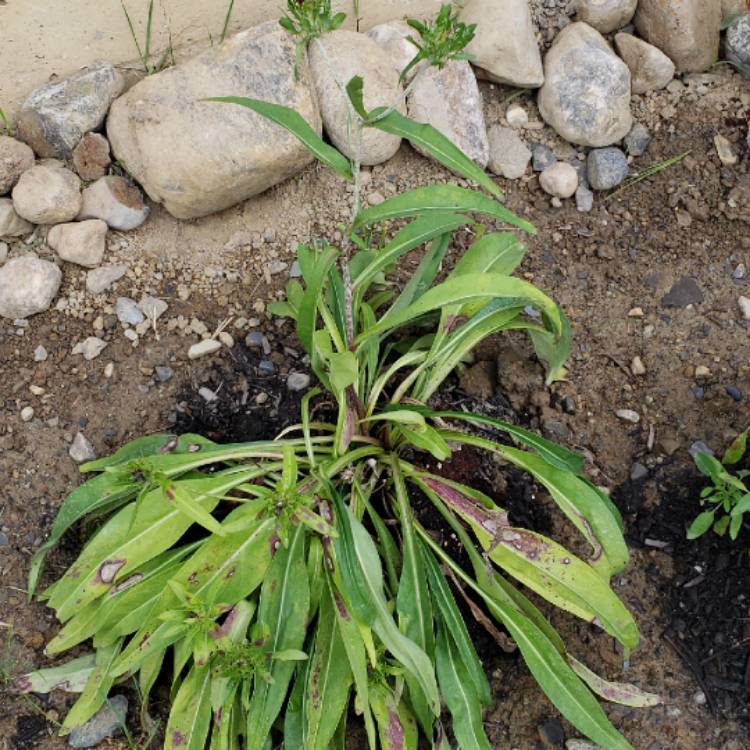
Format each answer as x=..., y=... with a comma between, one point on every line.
x=108, y=570
x=178, y=738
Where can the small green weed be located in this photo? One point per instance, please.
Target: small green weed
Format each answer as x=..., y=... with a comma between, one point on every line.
x=729, y=495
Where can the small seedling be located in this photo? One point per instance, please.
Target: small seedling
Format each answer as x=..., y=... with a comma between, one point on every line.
x=729, y=495
x=4, y=124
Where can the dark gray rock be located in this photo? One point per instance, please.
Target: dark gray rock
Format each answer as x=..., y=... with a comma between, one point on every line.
x=607, y=168
x=106, y=722
x=683, y=293
x=55, y=117
x=738, y=42
x=699, y=447
x=266, y=367
x=638, y=472
x=552, y=734
x=541, y=157
x=584, y=199
x=637, y=140
x=733, y=392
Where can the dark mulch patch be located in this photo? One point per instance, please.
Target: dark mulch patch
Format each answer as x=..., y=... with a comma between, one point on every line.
x=706, y=607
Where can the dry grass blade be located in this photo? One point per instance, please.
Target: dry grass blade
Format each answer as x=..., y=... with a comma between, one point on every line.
x=650, y=171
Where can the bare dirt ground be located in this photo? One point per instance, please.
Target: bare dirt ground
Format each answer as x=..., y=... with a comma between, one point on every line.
x=689, y=222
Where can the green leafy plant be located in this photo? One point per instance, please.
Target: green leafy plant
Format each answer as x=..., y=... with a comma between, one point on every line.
x=728, y=494
x=293, y=581
x=307, y=20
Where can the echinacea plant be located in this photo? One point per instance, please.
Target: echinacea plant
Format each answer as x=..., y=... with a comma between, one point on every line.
x=289, y=587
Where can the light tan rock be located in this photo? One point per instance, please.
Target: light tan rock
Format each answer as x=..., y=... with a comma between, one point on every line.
x=605, y=15
x=650, y=68
x=11, y=224
x=509, y=155
x=15, y=159
x=114, y=200
x=47, y=195
x=586, y=92
x=687, y=31
x=449, y=100
x=504, y=47
x=334, y=60
x=392, y=38
x=731, y=8
x=27, y=286
x=559, y=179
x=82, y=242
x=199, y=157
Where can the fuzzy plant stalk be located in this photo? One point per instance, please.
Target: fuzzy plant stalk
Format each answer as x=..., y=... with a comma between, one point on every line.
x=288, y=588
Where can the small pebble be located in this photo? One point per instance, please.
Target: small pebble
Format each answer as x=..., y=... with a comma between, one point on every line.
x=744, y=303
x=109, y=370
x=628, y=415
x=725, y=151
x=637, y=367
x=584, y=199
x=699, y=698
x=559, y=180
x=204, y=348
x=266, y=367
x=81, y=449
x=90, y=348
x=27, y=414
x=37, y=390
x=541, y=157
x=40, y=354
x=516, y=116
x=635, y=312
x=637, y=140
x=702, y=372
x=638, y=472
x=581, y=745
x=733, y=392
x=298, y=381
x=162, y=373
x=107, y=721
x=128, y=311
x=699, y=447
x=207, y=395
x=226, y=338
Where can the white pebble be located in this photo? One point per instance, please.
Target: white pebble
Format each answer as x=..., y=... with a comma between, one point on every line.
x=628, y=415
x=744, y=303
x=516, y=116
x=109, y=369
x=40, y=354
x=81, y=449
x=204, y=348
x=637, y=367
x=27, y=414
x=226, y=339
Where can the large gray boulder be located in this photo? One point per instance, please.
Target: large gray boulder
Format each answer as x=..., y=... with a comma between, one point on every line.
x=586, y=92
x=687, y=31
x=449, y=100
x=27, y=286
x=15, y=159
x=504, y=47
x=198, y=157
x=334, y=60
x=55, y=117
x=737, y=41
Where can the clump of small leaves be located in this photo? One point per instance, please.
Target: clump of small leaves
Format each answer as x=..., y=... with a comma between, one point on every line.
x=309, y=19
x=440, y=40
x=728, y=497
x=291, y=582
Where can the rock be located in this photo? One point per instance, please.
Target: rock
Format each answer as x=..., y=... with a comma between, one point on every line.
x=449, y=100
x=584, y=199
x=504, y=48
x=586, y=93
x=687, y=31
x=606, y=15
x=81, y=451
x=90, y=348
x=27, y=286
x=509, y=155
x=15, y=159
x=40, y=354
x=91, y=157
x=82, y=242
x=101, y=279
x=731, y=8
x=479, y=381
x=298, y=381
x=699, y=447
x=207, y=394
x=163, y=374
x=516, y=116
x=733, y=392
x=650, y=68
x=637, y=140
x=628, y=415
x=106, y=722
x=11, y=224
x=339, y=56
x=47, y=195
x=606, y=168
x=27, y=413
x=152, y=307
x=637, y=367
x=638, y=472
x=683, y=293
x=725, y=151
x=55, y=117
x=551, y=733
x=128, y=312
x=581, y=745
x=541, y=157
x=204, y=348
x=560, y=179
x=114, y=200
x=744, y=303
x=391, y=37
x=3, y=252
x=158, y=129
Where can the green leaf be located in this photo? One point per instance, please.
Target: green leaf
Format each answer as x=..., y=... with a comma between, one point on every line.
x=736, y=450
x=71, y=677
x=436, y=144
x=179, y=495
x=618, y=692
x=701, y=524
x=190, y=717
x=329, y=680
x=708, y=465
x=354, y=90
x=396, y=725
x=292, y=121
x=553, y=350
x=734, y=526
x=439, y=199
x=454, y=625
x=308, y=311
x=460, y=696
x=98, y=686
x=467, y=288
x=343, y=370
x=497, y=252
x=283, y=613
x=742, y=506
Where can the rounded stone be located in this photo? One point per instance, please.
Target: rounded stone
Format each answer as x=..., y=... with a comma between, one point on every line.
x=114, y=200
x=606, y=15
x=81, y=242
x=91, y=157
x=15, y=159
x=47, y=195
x=606, y=167
x=27, y=286
x=559, y=179
x=737, y=41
